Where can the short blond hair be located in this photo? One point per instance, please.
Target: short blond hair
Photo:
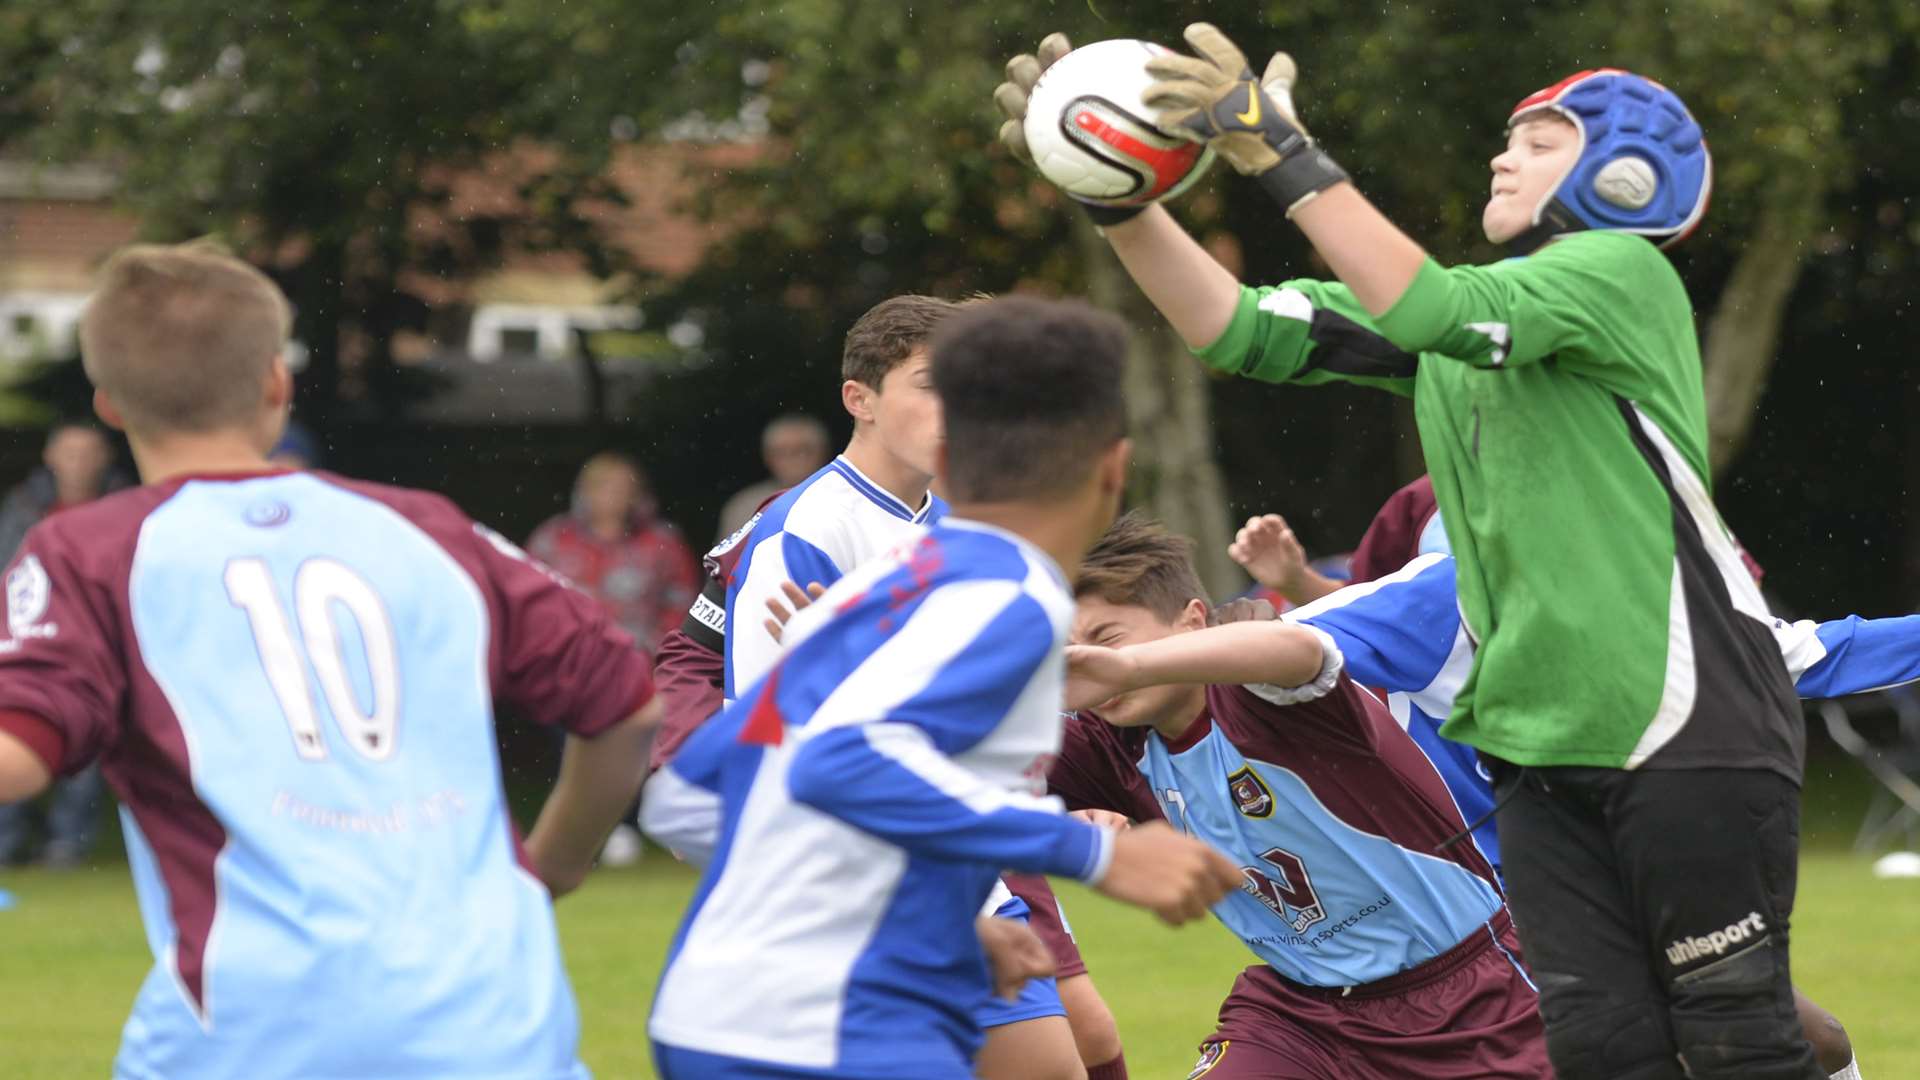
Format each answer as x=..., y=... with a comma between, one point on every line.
x=178, y=336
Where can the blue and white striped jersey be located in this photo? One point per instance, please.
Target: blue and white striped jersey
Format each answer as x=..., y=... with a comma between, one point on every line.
x=1402, y=634
x=826, y=525
x=872, y=788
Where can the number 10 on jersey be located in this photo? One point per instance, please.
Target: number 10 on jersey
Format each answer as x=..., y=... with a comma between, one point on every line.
x=318, y=585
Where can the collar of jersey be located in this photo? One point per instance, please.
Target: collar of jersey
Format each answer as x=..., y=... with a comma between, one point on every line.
x=1201, y=727
x=880, y=496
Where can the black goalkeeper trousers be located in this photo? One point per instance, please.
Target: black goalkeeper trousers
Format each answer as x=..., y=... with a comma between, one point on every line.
x=1653, y=908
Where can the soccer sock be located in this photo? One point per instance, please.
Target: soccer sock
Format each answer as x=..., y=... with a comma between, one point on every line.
x=1117, y=1070
x=1851, y=1072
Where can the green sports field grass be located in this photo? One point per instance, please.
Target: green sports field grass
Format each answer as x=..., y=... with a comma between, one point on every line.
x=72, y=955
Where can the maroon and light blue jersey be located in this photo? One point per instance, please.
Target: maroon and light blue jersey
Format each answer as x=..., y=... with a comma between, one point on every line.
x=1337, y=819
x=289, y=679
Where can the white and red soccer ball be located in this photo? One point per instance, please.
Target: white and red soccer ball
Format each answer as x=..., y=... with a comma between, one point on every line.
x=1091, y=134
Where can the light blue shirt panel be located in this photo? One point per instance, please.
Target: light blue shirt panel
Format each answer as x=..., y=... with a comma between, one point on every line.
x=370, y=912
x=1384, y=908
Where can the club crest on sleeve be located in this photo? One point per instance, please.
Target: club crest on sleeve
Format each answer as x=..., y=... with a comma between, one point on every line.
x=29, y=591
x=1210, y=1055
x=1250, y=793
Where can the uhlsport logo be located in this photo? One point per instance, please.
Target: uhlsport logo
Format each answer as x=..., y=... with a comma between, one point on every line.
x=1687, y=950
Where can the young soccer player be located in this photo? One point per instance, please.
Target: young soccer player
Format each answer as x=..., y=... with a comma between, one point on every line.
x=872, y=497
x=290, y=680
x=1385, y=956
x=1401, y=633
x=878, y=779
x=1560, y=409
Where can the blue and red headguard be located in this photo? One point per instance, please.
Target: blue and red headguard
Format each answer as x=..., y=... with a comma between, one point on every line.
x=1643, y=166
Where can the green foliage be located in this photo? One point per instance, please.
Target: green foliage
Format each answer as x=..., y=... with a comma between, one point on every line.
x=322, y=138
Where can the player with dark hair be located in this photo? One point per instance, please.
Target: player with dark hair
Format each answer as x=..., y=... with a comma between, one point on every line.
x=848, y=512
x=289, y=679
x=879, y=778
x=1626, y=683
x=1385, y=954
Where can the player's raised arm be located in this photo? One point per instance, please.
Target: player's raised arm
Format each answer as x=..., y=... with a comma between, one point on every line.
x=1301, y=331
x=1189, y=286
x=1279, y=655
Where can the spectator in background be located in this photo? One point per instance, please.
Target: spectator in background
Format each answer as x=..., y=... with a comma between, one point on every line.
x=611, y=544
x=794, y=447
x=77, y=467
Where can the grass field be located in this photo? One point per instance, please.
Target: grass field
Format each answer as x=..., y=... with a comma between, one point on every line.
x=72, y=955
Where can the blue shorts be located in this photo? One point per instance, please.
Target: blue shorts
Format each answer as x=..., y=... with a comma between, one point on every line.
x=676, y=1063
x=1040, y=997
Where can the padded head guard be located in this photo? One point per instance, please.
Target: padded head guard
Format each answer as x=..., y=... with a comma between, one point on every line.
x=1643, y=166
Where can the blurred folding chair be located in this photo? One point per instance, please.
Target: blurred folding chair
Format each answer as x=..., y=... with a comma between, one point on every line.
x=1893, y=759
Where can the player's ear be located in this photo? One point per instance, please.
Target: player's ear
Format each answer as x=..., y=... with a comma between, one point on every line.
x=1193, y=616
x=1113, y=467
x=857, y=398
x=103, y=408
x=279, y=388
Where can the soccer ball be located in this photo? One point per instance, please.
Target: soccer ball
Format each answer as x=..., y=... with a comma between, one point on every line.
x=1091, y=134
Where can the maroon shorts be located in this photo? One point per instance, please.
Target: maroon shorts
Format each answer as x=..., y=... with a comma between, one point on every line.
x=1045, y=919
x=1469, y=1012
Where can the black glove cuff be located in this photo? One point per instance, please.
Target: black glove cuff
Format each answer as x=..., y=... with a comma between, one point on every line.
x=1104, y=216
x=1300, y=176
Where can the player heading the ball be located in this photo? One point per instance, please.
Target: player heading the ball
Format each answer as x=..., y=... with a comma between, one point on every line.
x=289, y=679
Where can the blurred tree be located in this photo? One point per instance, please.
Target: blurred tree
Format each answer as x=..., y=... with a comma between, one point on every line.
x=323, y=133
x=323, y=139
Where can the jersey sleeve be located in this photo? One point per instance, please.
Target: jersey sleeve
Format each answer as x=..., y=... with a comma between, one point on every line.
x=60, y=663
x=1568, y=300
x=681, y=806
x=1096, y=770
x=1397, y=632
x=560, y=658
x=1308, y=332
x=884, y=762
x=1850, y=655
x=689, y=675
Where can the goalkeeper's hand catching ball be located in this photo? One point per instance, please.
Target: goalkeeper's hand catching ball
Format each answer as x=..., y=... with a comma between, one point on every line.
x=1214, y=98
x=1011, y=98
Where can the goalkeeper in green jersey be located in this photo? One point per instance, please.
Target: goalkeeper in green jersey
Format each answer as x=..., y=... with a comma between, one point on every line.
x=1626, y=688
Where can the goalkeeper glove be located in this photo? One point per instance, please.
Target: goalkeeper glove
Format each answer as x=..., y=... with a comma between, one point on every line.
x=1215, y=99
x=1011, y=96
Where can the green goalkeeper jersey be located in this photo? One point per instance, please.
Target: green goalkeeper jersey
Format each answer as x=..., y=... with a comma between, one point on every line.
x=1560, y=409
